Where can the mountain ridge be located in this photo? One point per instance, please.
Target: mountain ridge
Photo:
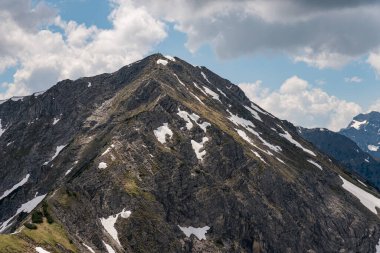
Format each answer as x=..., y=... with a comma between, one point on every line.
x=171, y=150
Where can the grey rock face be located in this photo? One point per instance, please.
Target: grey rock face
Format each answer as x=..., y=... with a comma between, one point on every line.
x=178, y=147
x=364, y=130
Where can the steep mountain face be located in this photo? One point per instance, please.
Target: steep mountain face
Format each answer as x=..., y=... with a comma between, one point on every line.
x=162, y=156
x=364, y=130
x=346, y=152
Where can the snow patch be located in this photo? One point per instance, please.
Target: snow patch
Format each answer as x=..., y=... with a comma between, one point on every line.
x=373, y=148
x=258, y=109
x=161, y=133
x=68, y=171
x=170, y=58
x=281, y=161
x=357, y=124
x=26, y=207
x=289, y=137
x=200, y=233
x=198, y=146
x=367, y=199
x=108, y=150
x=41, y=250
x=244, y=136
x=199, y=88
x=102, y=165
x=192, y=117
x=19, y=184
x=109, y=223
x=89, y=84
x=109, y=248
x=2, y=130
x=213, y=94
x=197, y=98
x=254, y=113
x=221, y=92
x=205, y=77
x=315, y=164
x=36, y=94
x=258, y=155
x=16, y=98
x=271, y=146
x=55, y=121
x=57, y=151
x=240, y=121
x=179, y=80
x=89, y=248
x=161, y=61
x=361, y=182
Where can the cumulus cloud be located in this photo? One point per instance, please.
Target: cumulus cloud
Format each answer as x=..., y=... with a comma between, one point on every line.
x=44, y=55
x=321, y=33
x=375, y=106
x=297, y=101
x=374, y=61
x=353, y=79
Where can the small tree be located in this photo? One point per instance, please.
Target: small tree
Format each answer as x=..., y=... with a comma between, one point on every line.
x=46, y=213
x=37, y=217
x=30, y=225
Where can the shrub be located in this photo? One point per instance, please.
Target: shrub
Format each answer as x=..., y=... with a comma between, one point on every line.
x=37, y=217
x=30, y=225
x=46, y=213
x=50, y=219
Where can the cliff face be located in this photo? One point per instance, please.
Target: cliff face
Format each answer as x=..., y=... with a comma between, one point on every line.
x=162, y=156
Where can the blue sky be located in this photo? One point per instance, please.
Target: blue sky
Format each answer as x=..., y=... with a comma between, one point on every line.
x=343, y=83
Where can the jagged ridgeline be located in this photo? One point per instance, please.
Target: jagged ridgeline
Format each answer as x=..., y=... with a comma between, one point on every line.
x=163, y=156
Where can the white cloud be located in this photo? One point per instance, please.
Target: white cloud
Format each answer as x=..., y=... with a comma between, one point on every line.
x=322, y=59
x=375, y=106
x=302, y=104
x=374, y=61
x=320, y=33
x=45, y=56
x=353, y=79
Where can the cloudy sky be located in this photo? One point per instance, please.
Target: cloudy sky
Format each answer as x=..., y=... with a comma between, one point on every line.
x=315, y=63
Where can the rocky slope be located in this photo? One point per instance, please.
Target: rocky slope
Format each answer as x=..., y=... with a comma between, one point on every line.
x=345, y=151
x=364, y=130
x=162, y=156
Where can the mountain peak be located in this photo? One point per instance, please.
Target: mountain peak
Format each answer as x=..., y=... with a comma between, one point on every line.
x=364, y=129
x=162, y=156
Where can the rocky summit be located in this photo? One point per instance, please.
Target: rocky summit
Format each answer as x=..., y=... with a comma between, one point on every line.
x=163, y=156
x=364, y=130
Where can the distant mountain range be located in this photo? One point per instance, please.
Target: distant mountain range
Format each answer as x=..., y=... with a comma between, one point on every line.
x=345, y=151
